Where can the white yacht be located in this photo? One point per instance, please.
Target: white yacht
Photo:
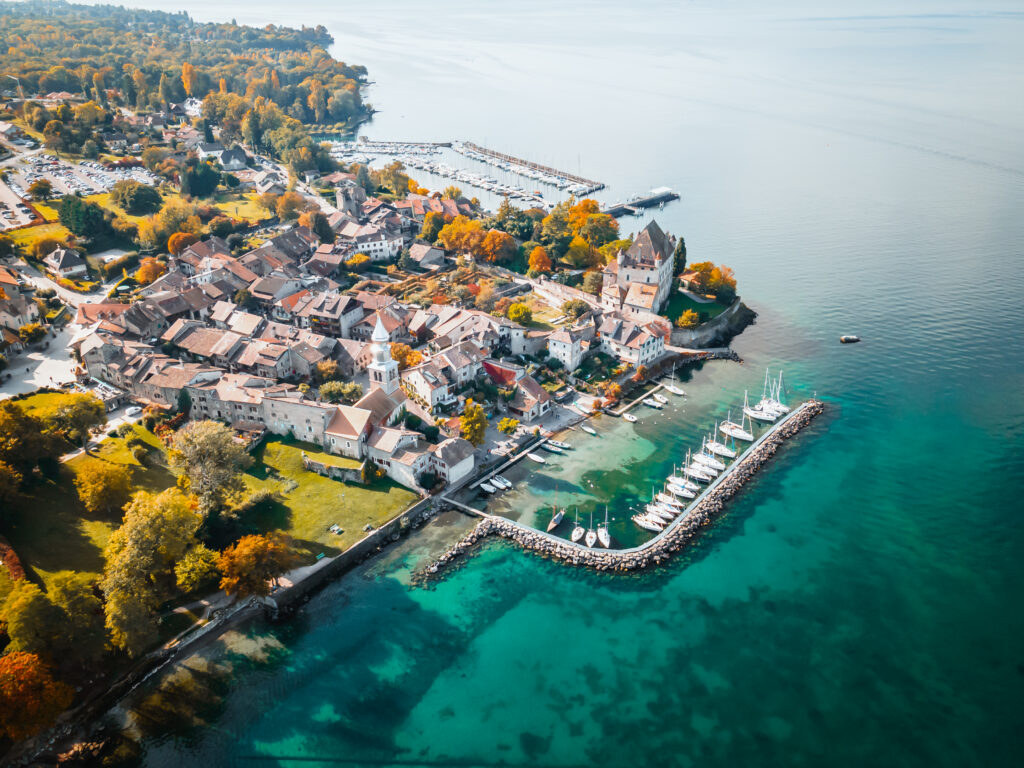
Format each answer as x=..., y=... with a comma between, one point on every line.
x=682, y=482
x=708, y=460
x=759, y=412
x=660, y=398
x=591, y=537
x=719, y=449
x=501, y=482
x=669, y=500
x=648, y=524
x=735, y=431
x=679, y=490
x=577, y=531
x=651, y=403
x=535, y=457
x=602, y=533
x=630, y=417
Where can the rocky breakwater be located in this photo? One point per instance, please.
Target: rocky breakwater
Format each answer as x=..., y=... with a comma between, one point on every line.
x=659, y=549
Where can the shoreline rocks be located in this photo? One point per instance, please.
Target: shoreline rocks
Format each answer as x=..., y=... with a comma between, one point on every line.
x=659, y=549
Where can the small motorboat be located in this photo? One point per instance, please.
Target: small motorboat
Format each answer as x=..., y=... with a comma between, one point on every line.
x=559, y=444
x=551, y=448
x=660, y=398
x=630, y=417
x=537, y=458
x=501, y=482
x=588, y=429
x=487, y=488
x=651, y=403
x=849, y=339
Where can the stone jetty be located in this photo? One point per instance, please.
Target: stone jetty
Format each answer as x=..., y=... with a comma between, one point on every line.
x=659, y=549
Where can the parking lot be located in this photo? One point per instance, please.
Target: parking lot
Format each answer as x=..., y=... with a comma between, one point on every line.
x=13, y=210
x=85, y=177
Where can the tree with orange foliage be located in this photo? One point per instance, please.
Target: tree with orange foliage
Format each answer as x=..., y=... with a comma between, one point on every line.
x=463, y=235
x=498, y=246
x=405, y=356
x=253, y=563
x=149, y=270
x=539, y=261
x=179, y=241
x=188, y=78
x=30, y=697
x=222, y=86
x=640, y=374
x=578, y=213
x=612, y=391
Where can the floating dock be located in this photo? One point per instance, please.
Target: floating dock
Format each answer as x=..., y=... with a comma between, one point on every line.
x=589, y=184
x=636, y=206
x=659, y=549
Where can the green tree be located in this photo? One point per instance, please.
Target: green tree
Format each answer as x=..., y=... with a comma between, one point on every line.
x=679, y=257
x=83, y=633
x=340, y=391
x=76, y=414
x=253, y=562
x=10, y=483
x=211, y=462
x=103, y=486
x=40, y=189
x=34, y=623
x=599, y=229
x=405, y=260
x=574, y=308
x=432, y=224
x=473, y=423
x=244, y=299
x=158, y=530
x=520, y=313
x=592, y=282
x=136, y=198
x=82, y=217
x=24, y=439
x=196, y=568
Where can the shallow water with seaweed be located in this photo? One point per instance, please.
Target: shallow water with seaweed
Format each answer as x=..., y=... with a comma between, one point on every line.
x=859, y=602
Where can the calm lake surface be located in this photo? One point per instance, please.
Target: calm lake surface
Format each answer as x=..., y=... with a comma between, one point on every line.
x=861, y=167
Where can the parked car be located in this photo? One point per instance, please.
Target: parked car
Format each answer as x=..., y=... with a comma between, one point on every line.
x=133, y=411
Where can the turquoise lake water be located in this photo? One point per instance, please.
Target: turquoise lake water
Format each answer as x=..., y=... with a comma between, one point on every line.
x=862, y=170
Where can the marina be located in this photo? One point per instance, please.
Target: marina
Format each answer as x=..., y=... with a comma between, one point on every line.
x=666, y=542
x=578, y=185
x=635, y=206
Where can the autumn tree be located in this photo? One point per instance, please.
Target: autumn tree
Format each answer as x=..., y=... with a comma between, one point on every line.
x=33, y=622
x=358, y=262
x=341, y=391
x=327, y=370
x=432, y=224
x=290, y=205
x=317, y=222
x=24, y=439
x=592, y=282
x=157, y=532
x=579, y=253
x=555, y=231
x=405, y=356
x=599, y=229
x=574, y=308
x=508, y=426
x=149, y=270
x=498, y=246
x=30, y=697
x=539, y=262
x=40, y=189
x=689, y=319
x=211, y=462
x=30, y=333
x=188, y=78
x=473, y=423
x=452, y=193
x=520, y=313
x=462, y=234
x=75, y=414
x=10, y=483
x=103, y=486
x=250, y=565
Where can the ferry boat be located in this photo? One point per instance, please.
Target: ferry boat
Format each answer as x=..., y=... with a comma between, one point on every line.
x=535, y=457
x=588, y=429
x=630, y=417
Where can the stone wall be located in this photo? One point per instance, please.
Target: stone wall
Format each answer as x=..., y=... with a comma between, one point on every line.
x=345, y=474
x=716, y=332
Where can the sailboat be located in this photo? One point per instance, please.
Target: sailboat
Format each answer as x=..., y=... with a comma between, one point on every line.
x=719, y=449
x=591, y=533
x=559, y=514
x=577, y=531
x=682, y=482
x=671, y=386
x=678, y=490
x=669, y=501
x=775, y=399
x=602, y=533
x=648, y=523
x=707, y=459
x=759, y=412
x=734, y=430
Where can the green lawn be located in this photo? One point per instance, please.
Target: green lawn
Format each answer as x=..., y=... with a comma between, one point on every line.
x=680, y=302
x=311, y=502
x=241, y=206
x=52, y=532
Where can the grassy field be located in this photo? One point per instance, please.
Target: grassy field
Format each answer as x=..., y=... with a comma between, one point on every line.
x=52, y=532
x=31, y=235
x=42, y=403
x=544, y=314
x=680, y=302
x=311, y=503
x=242, y=206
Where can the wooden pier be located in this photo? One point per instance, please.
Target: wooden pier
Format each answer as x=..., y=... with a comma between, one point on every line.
x=590, y=184
x=636, y=206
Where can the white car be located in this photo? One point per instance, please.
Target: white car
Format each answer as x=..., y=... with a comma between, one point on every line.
x=133, y=411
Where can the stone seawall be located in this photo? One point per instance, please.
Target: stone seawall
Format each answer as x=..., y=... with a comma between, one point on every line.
x=660, y=548
x=717, y=332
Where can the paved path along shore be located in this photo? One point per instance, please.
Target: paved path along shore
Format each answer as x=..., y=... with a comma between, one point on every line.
x=662, y=546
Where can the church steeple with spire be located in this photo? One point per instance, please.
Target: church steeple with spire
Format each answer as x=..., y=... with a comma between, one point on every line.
x=383, y=370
